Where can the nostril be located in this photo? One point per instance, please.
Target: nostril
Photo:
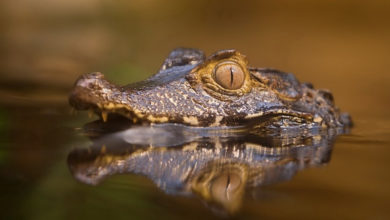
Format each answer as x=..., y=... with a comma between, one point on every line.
x=95, y=75
x=90, y=79
x=327, y=95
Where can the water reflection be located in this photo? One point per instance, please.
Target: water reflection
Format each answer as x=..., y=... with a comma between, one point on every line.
x=218, y=166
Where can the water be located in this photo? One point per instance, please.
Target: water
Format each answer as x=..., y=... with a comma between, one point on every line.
x=347, y=179
x=342, y=46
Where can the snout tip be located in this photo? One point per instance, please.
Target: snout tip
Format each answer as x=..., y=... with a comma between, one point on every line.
x=89, y=79
x=83, y=95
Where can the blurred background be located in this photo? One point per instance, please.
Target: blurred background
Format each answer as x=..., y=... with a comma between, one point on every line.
x=341, y=45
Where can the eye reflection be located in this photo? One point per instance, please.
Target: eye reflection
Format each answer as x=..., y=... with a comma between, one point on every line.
x=224, y=186
x=229, y=75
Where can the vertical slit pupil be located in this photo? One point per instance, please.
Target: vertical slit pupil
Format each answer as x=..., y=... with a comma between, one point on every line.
x=227, y=186
x=231, y=76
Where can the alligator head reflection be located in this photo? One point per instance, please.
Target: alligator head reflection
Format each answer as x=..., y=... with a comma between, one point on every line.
x=218, y=166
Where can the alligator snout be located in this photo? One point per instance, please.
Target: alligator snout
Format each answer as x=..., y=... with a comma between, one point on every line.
x=90, y=89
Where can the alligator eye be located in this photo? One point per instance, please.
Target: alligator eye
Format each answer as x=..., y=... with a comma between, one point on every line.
x=229, y=75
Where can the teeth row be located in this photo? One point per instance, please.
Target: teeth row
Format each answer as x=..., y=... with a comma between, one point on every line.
x=104, y=114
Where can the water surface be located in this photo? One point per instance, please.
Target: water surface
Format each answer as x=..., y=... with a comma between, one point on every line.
x=348, y=177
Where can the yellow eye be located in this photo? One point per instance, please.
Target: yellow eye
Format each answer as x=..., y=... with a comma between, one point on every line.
x=229, y=75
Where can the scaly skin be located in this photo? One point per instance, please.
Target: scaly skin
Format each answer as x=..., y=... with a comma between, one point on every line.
x=185, y=91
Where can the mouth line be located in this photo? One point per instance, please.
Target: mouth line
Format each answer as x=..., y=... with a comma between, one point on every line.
x=293, y=115
x=138, y=117
x=111, y=110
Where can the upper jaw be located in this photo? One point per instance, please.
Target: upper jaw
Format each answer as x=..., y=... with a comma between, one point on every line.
x=82, y=96
x=92, y=92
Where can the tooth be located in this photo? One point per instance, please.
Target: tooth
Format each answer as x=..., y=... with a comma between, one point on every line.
x=104, y=116
x=90, y=113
